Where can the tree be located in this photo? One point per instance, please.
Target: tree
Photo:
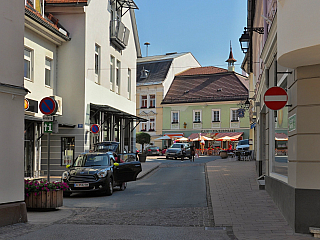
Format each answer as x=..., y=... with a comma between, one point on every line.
x=143, y=138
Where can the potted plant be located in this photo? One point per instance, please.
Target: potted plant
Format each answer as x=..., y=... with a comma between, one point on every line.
x=143, y=138
x=44, y=194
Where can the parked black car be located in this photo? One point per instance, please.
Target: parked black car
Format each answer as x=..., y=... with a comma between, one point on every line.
x=179, y=150
x=96, y=171
x=153, y=150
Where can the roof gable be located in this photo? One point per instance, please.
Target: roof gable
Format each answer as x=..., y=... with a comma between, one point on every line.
x=206, y=88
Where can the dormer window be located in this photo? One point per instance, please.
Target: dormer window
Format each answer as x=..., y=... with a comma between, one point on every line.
x=144, y=73
x=37, y=5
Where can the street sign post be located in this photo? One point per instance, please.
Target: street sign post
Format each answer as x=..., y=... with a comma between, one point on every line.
x=48, y=106
x=275, y=98
x=95, y=128
x=47, y=127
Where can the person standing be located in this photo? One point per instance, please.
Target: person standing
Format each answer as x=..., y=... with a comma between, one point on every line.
x=193, y=152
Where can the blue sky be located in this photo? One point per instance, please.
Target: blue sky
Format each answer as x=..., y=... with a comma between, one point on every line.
x=203, y=28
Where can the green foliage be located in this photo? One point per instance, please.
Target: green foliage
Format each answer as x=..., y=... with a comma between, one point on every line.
x=143, y=138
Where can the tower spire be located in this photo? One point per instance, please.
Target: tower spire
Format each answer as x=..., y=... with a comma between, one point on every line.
x=231, y=60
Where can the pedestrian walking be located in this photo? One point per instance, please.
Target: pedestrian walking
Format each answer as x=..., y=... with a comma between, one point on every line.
x=193, y=153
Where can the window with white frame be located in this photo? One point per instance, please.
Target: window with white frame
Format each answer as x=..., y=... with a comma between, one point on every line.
x=48, y=72
x=197, y=116
x=112, y=68
x=174, y=117
x=28, y=63
x=234, y=115
x=144, y=101
x=152, y=125
x=118, y=75
x=215, y=115
x=129, y=83
x=152, y=101
x=97, y=61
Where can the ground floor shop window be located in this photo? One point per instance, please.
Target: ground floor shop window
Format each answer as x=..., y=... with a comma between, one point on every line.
x=67, y=150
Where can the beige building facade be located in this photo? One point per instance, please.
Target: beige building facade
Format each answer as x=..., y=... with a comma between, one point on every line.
x=286, y=54
x=154, y=77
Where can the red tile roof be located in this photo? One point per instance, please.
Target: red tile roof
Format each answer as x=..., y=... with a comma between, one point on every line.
x=225, y=86
x=202, y=71
x=50, y=21
x=65, y=1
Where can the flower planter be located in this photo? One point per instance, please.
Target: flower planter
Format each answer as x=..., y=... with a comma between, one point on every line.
x=45, y=200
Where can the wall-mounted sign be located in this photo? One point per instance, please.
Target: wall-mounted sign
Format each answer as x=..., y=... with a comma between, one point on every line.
x=275, y=98
x=292, y=122
x=26, y=104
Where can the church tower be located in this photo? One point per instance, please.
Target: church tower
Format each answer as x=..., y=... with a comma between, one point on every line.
x=231, y=60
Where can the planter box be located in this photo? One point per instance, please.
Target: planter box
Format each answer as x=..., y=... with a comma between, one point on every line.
x=45, y=200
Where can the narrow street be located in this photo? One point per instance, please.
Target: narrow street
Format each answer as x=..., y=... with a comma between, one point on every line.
x=171, y=201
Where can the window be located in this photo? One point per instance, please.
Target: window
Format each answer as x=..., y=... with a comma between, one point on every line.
x=28, y=64
x=197, y=116
x=152, y=101
x=118, y=70
x=152, y=124
x=129, y=83
x=234, y=115
x=48, y=73
x=112, y=67
x=97, y=59
x=144, y=101
x=67, y=150
x=215, y=115
x=174, y=117
x=143, y=127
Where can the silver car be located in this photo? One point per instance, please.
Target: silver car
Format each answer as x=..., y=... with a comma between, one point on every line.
x=178, y=150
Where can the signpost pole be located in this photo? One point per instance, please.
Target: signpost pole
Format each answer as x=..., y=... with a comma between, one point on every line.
x=48, y=175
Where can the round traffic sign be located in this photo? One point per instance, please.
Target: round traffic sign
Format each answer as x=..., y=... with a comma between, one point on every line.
x=275, y=98
x=48, y=106
x=95, y=128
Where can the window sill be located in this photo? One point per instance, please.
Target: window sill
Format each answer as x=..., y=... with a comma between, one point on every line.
x=143, y=107
x=175, y=123
x=197, y=122
x=235, y=121
x=152, y=107
x=216, y=121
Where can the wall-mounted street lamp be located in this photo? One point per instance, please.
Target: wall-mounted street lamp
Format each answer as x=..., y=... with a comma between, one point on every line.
x=244, y=41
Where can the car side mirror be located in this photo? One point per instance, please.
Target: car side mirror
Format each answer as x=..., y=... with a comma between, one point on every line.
x=116, y=164
x=68, y=166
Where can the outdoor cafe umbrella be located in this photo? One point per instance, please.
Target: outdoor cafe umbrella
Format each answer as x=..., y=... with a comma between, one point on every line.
x=183, y=139
x=202, y=138
x=226, y=138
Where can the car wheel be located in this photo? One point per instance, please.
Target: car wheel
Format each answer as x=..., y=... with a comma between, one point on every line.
x=66, y=194
x=123, y=186
x=109, y=189
x=167, y=157
x=175, y=158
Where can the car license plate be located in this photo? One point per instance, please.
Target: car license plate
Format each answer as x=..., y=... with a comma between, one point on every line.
x=81, y=185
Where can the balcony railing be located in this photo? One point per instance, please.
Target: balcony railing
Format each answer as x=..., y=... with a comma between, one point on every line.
x=119, y=34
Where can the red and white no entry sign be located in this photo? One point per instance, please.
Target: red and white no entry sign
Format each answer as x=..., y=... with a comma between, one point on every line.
x=275, y=98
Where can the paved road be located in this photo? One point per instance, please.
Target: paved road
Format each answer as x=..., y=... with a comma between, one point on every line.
x=169, y=203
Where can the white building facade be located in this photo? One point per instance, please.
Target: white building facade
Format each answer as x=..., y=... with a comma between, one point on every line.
x=12, y=93
x=96, y=78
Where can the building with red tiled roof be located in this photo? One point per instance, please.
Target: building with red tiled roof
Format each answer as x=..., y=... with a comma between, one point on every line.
x=205, y=101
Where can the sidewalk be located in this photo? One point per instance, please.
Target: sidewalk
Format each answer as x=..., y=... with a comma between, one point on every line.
x=147, y=167
x=238, y=202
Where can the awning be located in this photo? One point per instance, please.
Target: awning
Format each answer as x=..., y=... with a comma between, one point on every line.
x=281, y=137
x=233, y=136
x=116, y=112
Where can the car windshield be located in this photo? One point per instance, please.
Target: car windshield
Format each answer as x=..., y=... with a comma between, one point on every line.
x=106, y=147
x=91, y=160
x=243, y=142
x=176, y=146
